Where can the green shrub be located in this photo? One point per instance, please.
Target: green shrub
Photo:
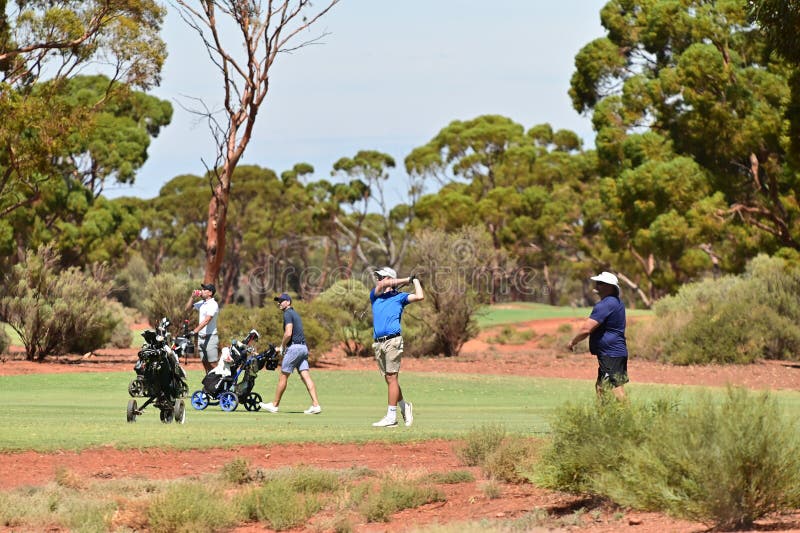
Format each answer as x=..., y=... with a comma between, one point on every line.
x=479, y=443
x=734, y=319
x=347, y=314
x=130, y=283
x=236, y=320
x=451, y=477
x=57, y=312
x=510, y=335
x=592, y=439
x=236, y=471
x=393, y=496
x=167, y=296
x=189, y=508
x=278, y=504
x=121, y=336
x=512, y=461
x=729, y=463
x=455, y=289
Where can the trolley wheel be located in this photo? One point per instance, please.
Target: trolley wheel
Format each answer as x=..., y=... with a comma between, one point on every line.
x=166, y=415
x=179, y=412
x=228, y=401
x=133, y=410
x=135, y=388
x=200, y=400
x=252, y=402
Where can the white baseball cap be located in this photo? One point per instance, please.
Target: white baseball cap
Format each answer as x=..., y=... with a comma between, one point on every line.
x=386, y=272
x=606, y=277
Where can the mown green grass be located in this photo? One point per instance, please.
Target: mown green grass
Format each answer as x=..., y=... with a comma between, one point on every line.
x=47, y=412
x=511, y=313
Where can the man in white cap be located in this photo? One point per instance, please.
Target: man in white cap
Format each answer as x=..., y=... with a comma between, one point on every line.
x=605, y=328
x=387, y=310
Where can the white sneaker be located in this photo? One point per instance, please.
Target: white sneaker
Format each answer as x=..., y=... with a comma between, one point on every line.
x=313, y=410
x=408, y=412
x=385, y=422
x=269, y=407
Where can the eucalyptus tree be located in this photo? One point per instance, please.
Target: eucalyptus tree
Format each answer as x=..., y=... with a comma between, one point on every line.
x=108, y=146
x=692, y=75
x=526, y=189
x=243, y=38
x=44, y=43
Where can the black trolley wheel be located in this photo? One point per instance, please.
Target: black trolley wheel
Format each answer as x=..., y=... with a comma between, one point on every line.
x=133, y=410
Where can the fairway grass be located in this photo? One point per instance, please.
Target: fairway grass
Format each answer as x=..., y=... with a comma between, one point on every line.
x=47, y=412
x=515, y=312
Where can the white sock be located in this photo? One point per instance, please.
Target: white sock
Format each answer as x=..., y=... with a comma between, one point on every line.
x=391, y=413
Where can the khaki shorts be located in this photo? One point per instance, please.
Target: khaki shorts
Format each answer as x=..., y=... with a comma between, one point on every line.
x=388, y=354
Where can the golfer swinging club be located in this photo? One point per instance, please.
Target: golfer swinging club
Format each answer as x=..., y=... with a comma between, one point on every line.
x=387, y=310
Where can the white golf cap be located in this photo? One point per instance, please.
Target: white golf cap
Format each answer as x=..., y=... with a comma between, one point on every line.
x=386, y=272
x=606, y=277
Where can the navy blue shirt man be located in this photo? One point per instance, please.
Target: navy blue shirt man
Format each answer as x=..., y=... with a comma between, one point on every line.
x=605, y=328
x=387, y=310
x=295, y=356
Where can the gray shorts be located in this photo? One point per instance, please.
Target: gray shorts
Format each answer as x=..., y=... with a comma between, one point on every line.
x=388, y=355
x=295, y=356
x=209, y=348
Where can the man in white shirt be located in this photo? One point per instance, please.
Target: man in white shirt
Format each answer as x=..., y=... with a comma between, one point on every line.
x=206, y=330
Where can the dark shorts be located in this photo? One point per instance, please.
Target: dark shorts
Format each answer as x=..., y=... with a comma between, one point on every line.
x=612, y=370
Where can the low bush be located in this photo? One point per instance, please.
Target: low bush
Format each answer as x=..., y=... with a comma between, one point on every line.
x=167, y=296
x=513, y=461
x=480, y=442
x=510, y=335
x=377, y=505
x=592, y=439
x=236, y=471
x=56, y=312
x=705, y=322
x=347, y=313
x=730, y=463
x=121, y=336
x=451, y=477
x=278, y=504
x=189, y=507
x=236, y=320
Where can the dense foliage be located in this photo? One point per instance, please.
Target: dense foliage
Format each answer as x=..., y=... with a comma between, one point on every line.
x=706, y=322
x=727, y=463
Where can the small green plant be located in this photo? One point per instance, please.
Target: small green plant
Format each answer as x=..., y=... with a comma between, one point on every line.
x=511, y=335
x=177, y=510
x=237, y=471
x=512, y=461
x=393, y=496
x=451, y=477
x=730, y=463
x=278, y=504
x=491, y=489
x=479, y=442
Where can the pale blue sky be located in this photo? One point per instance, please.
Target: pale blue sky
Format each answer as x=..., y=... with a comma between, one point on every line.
x=388, y=77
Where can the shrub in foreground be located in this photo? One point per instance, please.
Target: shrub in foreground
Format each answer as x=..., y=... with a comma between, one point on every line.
x=189, y=508
x=730, y=463
x=393, y=496
x=277, y=504
x=592, y=439
x=480, y=442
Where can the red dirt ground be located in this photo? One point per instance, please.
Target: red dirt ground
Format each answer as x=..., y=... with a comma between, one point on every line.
x=465, y=501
